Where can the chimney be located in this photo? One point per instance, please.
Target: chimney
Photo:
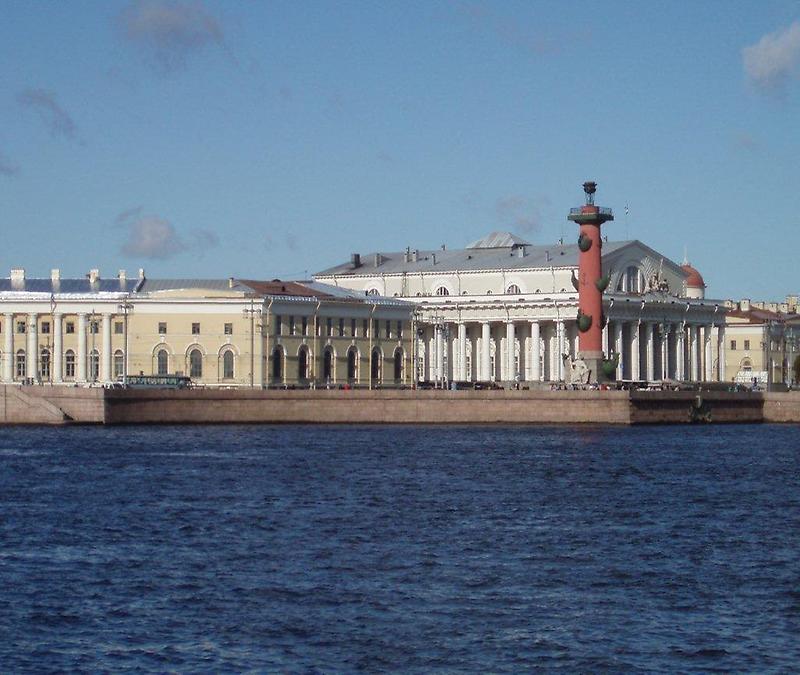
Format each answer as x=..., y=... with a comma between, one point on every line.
x=521, y=251
x=444, y=247
x=415, y=255
x=93, y=275
x=355, y=261
x=55, y=276
x=18, y=276
x=433, y=257
x=547, y=256
x=230, y=282
x=378, y=259
x=744, y=304
x=141, y=274
x=122, y=278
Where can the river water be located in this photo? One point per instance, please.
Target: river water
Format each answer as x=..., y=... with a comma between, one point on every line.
x=415, y=549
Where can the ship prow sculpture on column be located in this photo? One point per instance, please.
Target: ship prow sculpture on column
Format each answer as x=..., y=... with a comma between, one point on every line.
x=591, y=284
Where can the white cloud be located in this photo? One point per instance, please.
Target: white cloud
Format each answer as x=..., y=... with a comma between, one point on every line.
x=152, y=237
x=516, y=211
x=52, y=114
x=772, y=61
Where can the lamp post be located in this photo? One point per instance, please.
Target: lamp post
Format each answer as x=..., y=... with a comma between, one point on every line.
x=125, y=307
x=252, y=312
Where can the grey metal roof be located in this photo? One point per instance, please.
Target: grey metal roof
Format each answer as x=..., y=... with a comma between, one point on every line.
x=499, y=240
x=74, y=286
x=155, y=285
x=470, y=259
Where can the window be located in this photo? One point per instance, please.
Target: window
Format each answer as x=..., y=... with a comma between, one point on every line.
x=352, y=364
x=278, y=324
x=20, y=326
x=388, y=329
x=162, y=362
x=69, y=327
x=227, y=365
x=228, y=329
x=69, y=364
x=44, y=369
x=746, y=345
x=442, y=291
x=94, y=365
x=352, y=327
x=291, y=325
x=341, y=327
x=119, y=327
x=94, y=327
x=277, y=365
x=302, y=364
x=45, y=327
x=329, y=326
x=372, y=291
x=733, y=345
x=20, y=361
x=162, y=327
x=399, y=335
x=195, y=363
x=365, y=328
x=513, y=289
x=304, y=323
x=119, y=363
x=195, y=329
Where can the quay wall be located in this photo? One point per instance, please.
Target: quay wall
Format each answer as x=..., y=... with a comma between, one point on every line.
x=64, y=405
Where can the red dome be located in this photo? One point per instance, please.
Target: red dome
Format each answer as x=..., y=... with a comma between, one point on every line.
x=695, y=279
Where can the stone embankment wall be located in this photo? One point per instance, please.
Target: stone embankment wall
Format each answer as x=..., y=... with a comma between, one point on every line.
x=60, y=405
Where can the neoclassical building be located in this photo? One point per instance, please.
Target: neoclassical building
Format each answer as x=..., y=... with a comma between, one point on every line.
x=219, y=332
x=504, y=310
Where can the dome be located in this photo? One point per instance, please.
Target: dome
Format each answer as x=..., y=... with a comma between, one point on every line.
x=695, y=279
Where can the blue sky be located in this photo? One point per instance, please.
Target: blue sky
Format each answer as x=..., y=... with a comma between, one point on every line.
x=275, y=138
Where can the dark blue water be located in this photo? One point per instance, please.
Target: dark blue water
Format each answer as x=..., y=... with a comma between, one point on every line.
x=321, y=549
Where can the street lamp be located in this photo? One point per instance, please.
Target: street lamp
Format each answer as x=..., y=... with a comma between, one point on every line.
x=125, y=307
x=252, y=312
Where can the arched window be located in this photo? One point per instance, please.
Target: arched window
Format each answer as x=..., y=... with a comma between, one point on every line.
x=162, y=362
x=196, y=363
x=373, y=291
x=20, y=363
x=227, y=365
x=352, y=364
x=398, y=365
x=94, y=365
x=327, y=364
x=513, y=289
x=277, y=364
x=377, y=357
x=631, y=281
x=69, y=365
x=442, y=291
x=119, y=363
x=44, y=365
x=302, y=363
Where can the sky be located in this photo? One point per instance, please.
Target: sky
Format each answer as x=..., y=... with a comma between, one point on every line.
x=273, y=139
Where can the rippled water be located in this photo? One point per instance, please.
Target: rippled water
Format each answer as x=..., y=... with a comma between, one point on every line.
x=400, y=548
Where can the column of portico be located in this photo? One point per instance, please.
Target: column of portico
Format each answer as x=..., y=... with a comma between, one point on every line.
x=486, y=354
x=58, y=348
x=694, y=341
x=721, y=349
x=105, y=363
x=462, y=351
x=560, y=339
x=679, y=351
x=32, y=361
x=605, y=337
x=636, y=354
x=8, y=348
x=665, y=351
x=80, y=375
x=536, y=353
x=618, y=347
x=709, y=354
x=511, y=344
x=649, y=373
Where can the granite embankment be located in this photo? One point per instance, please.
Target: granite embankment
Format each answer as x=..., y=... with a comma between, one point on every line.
x=64, y=405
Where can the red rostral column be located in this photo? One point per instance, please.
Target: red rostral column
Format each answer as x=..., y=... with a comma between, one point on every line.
x=591, y=282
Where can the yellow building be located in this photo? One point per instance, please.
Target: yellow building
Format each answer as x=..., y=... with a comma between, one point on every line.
x=229, y=332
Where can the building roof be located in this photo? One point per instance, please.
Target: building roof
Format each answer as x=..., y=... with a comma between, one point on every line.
x=499, y=240
x=80, y=286
x=156, y=285
x=695, y=279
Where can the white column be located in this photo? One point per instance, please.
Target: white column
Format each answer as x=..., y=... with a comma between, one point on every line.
x=665, y=352
x=636, y=355
x=58, y=348
x=560, y=331
x=486, y=355
x=8, y=348
x=679, y=350
x=106, y=357
x=32, y=357
x=80, y=375
x=511, y=370
x=618, y=347
x=694, y=337
x=606, y=331
x=721, y=347
x=649, y=351
x=462, y=351
x=536, y=352
x=709, y=355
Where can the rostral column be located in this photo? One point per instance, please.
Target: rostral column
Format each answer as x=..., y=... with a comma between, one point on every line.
x=591, y=282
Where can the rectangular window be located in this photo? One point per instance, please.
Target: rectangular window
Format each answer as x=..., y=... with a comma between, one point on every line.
x=399, y=330
x=45, y=327
x=119, y=327
x=195, y=329
x=341, y=327
x=291, y=325
x=305, y=325
x=69, y=327
x=162, y=327
x=329, y=326
x=388, y=329
x=278, y=324
x=94, y=327
x=228, y=329
x=746, y=345
x=733, y=345
x=352, y=327
x=20, y=326
x=365, y=328
x=375, y=332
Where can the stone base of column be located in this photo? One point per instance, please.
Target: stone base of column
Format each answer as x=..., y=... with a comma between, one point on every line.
x=594, y=362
